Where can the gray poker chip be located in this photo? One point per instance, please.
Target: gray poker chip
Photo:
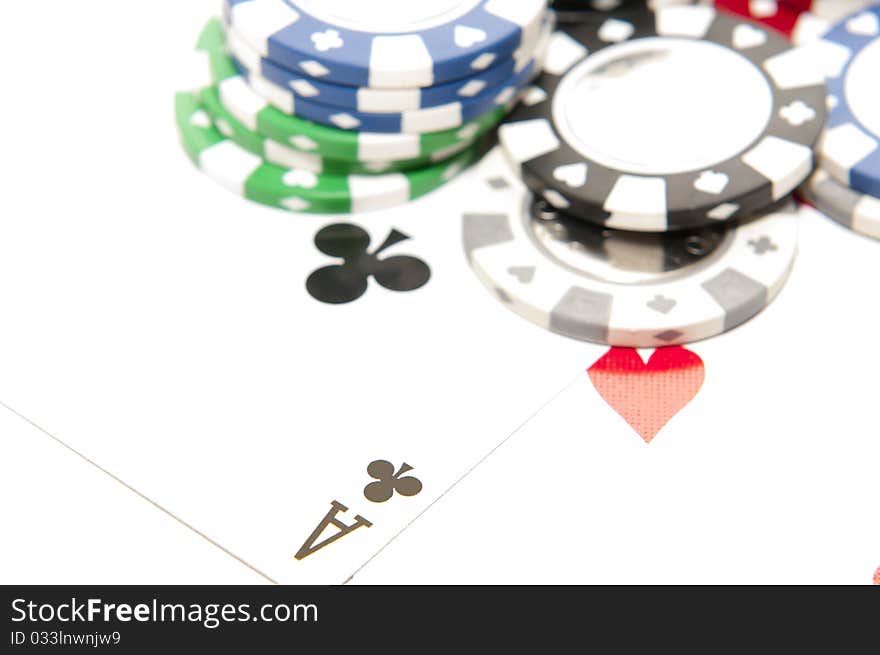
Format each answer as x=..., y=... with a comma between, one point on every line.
x=595, y=284
x=859, y=212
x=668, y=120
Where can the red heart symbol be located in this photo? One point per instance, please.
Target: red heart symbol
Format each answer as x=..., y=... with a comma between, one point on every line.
x=648, y=395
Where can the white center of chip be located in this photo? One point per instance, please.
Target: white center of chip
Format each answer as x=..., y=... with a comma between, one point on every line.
x=663, y=105
x=863, y=87
x=386, y=16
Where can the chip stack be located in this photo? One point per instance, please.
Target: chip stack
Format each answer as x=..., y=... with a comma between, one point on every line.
x=342, y=106
x=641, y=195
x=574, y=11
x=847, y=35
x=847, y=185
x=800, y=20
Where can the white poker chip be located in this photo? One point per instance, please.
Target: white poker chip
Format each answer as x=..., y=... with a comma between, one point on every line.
x=668, y=120
x=621, y=288
x=859, y=212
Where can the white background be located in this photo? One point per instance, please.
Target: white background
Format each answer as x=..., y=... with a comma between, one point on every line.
x=88, y=91
x=784, y=434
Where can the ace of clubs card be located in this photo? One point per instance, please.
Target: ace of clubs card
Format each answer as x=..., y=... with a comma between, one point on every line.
x=296, y=389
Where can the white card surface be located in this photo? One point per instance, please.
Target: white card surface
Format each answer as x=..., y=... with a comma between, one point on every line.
x=162, y=327
x=175, y=344
x=768, y=475
x=66, y=522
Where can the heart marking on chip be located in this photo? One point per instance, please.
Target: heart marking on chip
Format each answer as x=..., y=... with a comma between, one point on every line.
x=711, y=182
x=574, y=175
x=748, y=36
x=300, y=178
x=647, y=395
x=467, y=37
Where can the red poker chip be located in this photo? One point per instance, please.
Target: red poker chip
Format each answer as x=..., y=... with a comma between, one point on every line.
x=797, y=5
x=789, y=17
x=771, y=14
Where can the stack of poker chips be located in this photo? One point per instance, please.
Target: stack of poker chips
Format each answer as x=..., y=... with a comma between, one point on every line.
x=642, y=191
x=800, y=20
x=846, y=36
x=846, y=187
x=341, y=107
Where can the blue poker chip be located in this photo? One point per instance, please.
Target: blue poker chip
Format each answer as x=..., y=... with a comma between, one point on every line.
x=388, y=44
x=366, y=99
x=850, y=148
x=416, y=121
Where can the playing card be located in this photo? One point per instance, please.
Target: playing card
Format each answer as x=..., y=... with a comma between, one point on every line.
x=305, y=391
x=67, y=522
x=296, y=388
x=749, y=458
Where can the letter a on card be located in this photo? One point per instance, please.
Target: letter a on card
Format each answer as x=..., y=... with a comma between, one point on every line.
x=310, y=547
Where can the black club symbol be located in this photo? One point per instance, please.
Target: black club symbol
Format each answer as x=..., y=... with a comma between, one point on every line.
x=344, y=283
x=388, y=482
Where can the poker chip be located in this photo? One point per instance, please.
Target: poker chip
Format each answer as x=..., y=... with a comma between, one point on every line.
x=278, y=153
x=667, y=120
x=386, y=43
x=857, y=211
x=415, y=121
x=623, y=289
x=850, y=147
x=795, y=22
x=574, y=11
x=247, y=175
x=828, y=9
x=242, y=101
x=365, y=99
x=800, y=20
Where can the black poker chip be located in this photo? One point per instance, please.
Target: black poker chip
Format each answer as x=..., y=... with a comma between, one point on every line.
x=573, y=11
x=669, y=119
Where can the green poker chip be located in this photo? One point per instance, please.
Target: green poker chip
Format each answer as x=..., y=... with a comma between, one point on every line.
x=248, y=175
x=238, y=97
x=282, y=155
